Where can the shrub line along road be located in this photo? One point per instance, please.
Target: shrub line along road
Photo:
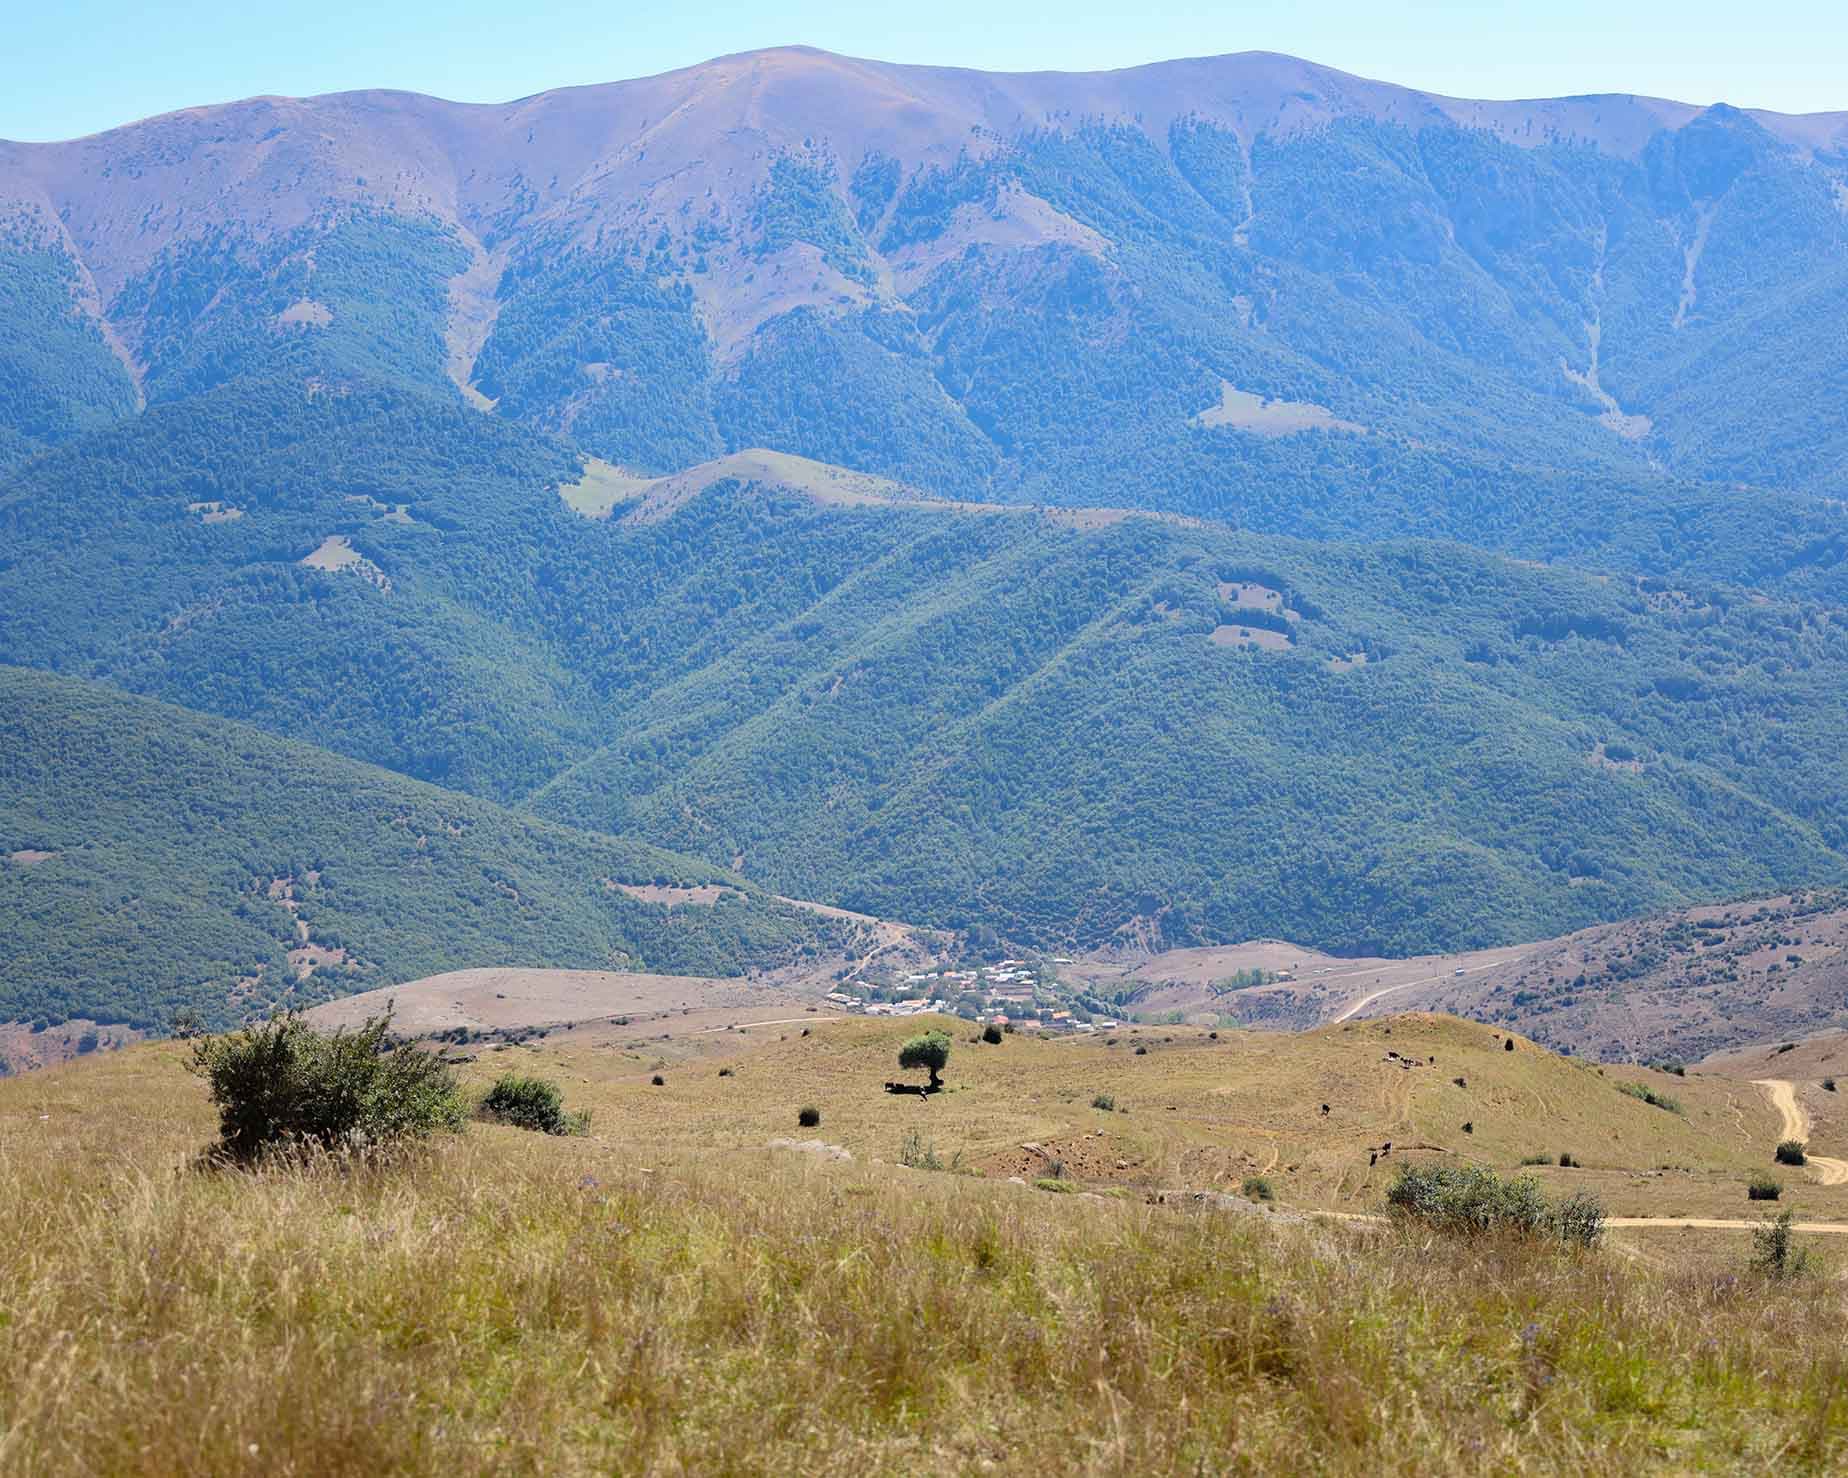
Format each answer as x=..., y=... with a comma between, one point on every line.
x=1708, y=1223
x=1783, y=1096
x=1796, y=1125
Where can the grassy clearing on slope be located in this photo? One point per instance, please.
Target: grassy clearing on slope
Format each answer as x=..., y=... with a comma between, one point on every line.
x=512, y=1303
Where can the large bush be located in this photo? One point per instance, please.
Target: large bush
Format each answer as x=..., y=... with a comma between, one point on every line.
x=1473, y=1200
x=531, y=1103
x=283, y=1085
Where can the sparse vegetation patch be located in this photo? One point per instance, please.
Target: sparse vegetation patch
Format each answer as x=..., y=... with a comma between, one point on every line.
x=1650, y=1096
x=1471, y=1200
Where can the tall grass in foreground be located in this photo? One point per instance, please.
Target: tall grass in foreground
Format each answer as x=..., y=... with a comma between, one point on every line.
x=516, y=1303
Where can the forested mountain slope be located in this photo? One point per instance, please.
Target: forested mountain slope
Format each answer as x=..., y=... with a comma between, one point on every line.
x=152, y=859
x=1059, y=725
x=1057, y=288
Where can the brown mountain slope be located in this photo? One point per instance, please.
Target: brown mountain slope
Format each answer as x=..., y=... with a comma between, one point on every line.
x=1691, y=983
x=1680, y=984
x=625, y=156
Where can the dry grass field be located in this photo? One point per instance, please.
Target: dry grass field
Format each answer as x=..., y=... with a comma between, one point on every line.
x=670, y=1293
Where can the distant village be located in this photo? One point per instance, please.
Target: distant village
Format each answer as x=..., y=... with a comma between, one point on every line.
x=1011, y=994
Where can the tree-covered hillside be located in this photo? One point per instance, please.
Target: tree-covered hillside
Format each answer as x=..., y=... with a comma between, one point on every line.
x=1195, y=735
x=1060, y=726
x=152, y=859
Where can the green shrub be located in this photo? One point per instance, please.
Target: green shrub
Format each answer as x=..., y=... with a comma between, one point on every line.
x=1257, y=1188
x=283, y=1085
x=991, y=1034
x=658, y=1081
x=1649, y=1096
x=808, y=1116
x=1472, y=1200
x=1774, y=1253
x=1828, y=1085
x=530, y=1103
x=1763, y=1188
x=1790, y=1152
x=1536, y=1159
x=1053, y=1183
x=1568, y=1162
x=1105, y=1101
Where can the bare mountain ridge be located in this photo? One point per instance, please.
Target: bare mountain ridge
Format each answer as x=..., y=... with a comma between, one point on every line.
x=627, y=156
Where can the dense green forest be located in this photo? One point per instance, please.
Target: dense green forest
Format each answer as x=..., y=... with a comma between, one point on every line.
x=1051, y=727
x=148, y=858
x=57, y=375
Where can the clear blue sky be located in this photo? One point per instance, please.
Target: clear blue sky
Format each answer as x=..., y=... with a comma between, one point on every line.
x=83, y=65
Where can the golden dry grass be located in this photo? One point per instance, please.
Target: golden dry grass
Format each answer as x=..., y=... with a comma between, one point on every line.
x=639, y=1302
x=1202, y=1113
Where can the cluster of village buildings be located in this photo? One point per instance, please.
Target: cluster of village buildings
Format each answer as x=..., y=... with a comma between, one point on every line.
x=1009, y=994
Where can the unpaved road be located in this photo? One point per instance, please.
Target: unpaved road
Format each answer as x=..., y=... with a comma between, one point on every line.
x=1708, y=1223
x=1718, y=1224
x=1783, y=1095
x=1366, y=1001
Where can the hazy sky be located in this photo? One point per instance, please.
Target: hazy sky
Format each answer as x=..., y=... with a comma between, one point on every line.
x=83, y=65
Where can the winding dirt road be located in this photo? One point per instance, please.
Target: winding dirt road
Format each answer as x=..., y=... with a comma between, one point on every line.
x=1783, y=1096
x=1368, y=1000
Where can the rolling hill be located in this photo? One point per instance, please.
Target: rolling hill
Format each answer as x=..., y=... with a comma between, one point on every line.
x=153, y=859
x=1108, y=1281
x=1685, y=984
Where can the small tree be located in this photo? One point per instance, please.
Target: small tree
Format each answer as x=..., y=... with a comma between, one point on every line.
x=187, y=1023
x=1790, y=1152
x=1773, y=1252
x=991, y=1034
x=931, y=1051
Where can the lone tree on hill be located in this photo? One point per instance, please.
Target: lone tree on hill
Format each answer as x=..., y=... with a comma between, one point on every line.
x=932, y=1050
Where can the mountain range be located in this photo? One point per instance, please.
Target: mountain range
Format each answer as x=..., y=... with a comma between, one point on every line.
x=1206, y=500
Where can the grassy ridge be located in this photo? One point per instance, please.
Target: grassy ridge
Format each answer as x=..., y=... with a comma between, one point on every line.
x=171, y=834
x=511, y=1303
